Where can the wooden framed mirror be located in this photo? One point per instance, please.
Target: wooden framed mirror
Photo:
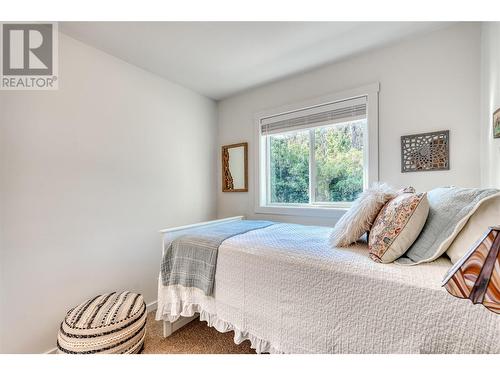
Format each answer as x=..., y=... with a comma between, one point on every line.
x=235, y=167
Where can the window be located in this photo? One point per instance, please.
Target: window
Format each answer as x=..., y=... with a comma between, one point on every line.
x=315, y=157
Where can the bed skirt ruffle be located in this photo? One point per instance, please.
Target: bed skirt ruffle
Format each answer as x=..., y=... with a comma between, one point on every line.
x=176, y=301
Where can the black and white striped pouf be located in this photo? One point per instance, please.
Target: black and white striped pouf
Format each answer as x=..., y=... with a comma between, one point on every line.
x=110, y=323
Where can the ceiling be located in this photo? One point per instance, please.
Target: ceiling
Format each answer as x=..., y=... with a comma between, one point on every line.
x=220, y=59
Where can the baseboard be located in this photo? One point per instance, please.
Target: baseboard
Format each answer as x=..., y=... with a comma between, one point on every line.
x=51, y=351
x=152, y=306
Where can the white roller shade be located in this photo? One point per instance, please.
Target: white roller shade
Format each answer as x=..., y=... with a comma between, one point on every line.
x=325, y=114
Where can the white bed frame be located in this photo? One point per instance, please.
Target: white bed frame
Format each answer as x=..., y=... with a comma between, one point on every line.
x=168, y=235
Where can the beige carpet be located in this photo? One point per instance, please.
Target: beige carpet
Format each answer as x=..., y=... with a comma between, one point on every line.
x=194, y=338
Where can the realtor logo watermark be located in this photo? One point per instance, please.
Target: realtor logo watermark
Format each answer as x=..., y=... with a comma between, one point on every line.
x=29, y=56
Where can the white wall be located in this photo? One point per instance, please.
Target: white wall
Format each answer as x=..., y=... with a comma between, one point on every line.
x=89, y=174
x=490, y=101
x=426, y=84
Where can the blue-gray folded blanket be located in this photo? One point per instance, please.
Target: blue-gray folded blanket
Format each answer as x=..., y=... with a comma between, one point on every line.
x=191, y=259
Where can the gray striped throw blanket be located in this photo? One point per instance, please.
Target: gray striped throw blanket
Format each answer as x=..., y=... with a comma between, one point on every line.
x=191, y=259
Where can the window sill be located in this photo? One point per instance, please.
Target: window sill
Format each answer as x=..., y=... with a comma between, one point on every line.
x=312, y=211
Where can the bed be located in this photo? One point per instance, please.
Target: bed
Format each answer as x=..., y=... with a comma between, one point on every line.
x=283, y=288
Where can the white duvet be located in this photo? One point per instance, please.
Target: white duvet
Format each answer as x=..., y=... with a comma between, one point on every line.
x=287, y=291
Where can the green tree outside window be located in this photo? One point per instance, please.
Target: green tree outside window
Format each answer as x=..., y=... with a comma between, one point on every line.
x=338, y=156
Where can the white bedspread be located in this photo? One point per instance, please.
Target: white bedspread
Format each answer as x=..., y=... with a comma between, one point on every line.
x=287, y=291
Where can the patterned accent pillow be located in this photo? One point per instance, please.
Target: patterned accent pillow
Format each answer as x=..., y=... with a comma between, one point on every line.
x=397, y=226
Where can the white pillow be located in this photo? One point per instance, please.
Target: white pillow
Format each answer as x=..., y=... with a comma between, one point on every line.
x=360, y=217
x=487, y=215
x=449, y=210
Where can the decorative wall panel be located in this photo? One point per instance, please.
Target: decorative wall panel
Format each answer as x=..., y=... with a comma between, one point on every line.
x=425, y=152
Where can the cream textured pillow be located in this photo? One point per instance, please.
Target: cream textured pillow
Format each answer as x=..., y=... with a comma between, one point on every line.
x=397, y=226
x=449, y=210
x=360, y=217
x=487, y=215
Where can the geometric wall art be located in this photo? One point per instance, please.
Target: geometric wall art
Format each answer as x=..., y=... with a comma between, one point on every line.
x=425, y=152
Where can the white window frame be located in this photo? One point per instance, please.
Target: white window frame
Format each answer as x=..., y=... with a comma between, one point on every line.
x=261, y=161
